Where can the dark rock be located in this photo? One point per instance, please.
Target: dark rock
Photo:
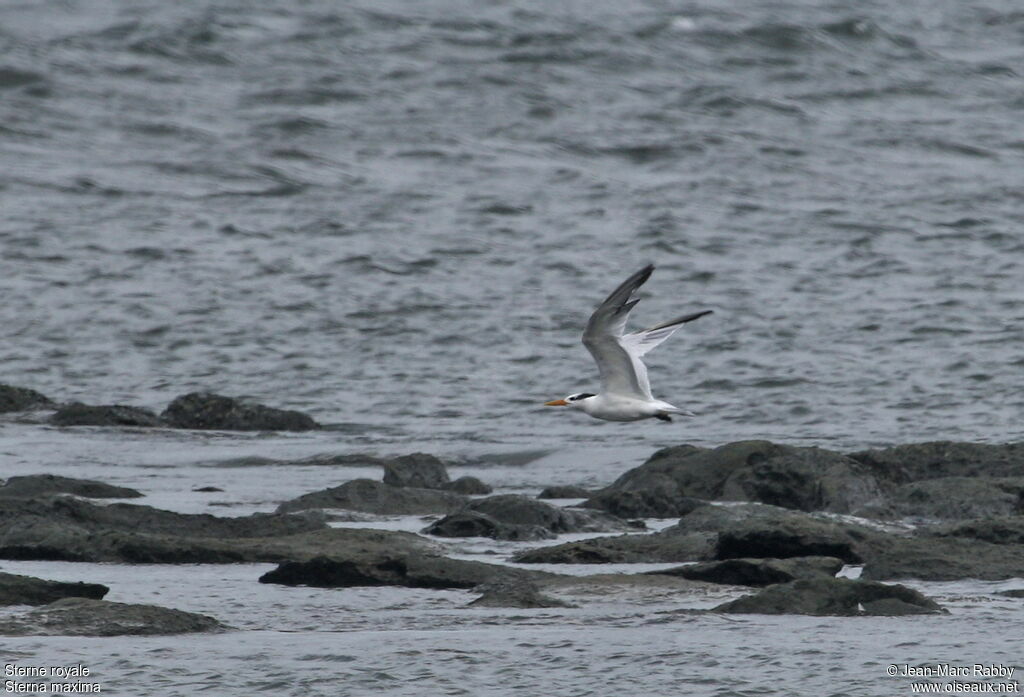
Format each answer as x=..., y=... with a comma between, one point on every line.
x=931, y=558
x=660, y=501
x=625, y=549
x=78, y=414
x=907, y=463
x=146, y=519
x=207, y=490
x=371, y=496
x=22, y=399
x=800, y=478
x=413, y=570
x=833, y=596
x=522, y=594
x=204, y=410
x=37, y=484
x=565, y=492
x=62, y=529
x=28, y=590
x=87, y=617
x=757, y=572
x=951, y=498
x=1012, y=593
x=469, y=486
x=418, y=470
x=474, y=524
x=804, y=479
x=1000, y=531
x=794, y=537
x=524, y=510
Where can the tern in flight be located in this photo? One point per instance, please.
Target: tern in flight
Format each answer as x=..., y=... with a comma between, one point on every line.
x=625, y=390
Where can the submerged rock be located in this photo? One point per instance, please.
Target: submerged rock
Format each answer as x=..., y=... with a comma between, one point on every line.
x=39, y=484
x=370, y=496
x=87, y=617
x=418, y=470
x=391, y=568
x=22, y=399
x=78, y=414
x=520, y=594
x=757, y=572
x=205, y=410
x=833, y=596
x=28, y=590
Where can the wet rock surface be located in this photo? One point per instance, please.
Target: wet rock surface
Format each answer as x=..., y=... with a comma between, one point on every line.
x=950, y=498
x=16, y=589
x=22, y=399
x=371, y=496
x=469, y=486
x=917, y=461
x=833, y=596
x=40, y=484
x=78, y=414
x=800, y=478
x=564, y=492
x=520, y=594
x=205, y=410
x=88, y=617
x=524, y=510
x=757, y=572
x=390, y=568
x=626, y=549
x=476, y=524
x=418, y=470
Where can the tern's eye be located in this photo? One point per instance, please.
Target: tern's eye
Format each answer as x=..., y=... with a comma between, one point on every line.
x=573, y=398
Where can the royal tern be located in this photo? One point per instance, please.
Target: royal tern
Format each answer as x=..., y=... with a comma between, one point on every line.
x=625, y=390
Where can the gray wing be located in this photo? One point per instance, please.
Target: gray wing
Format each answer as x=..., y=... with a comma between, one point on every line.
x=622, y=373
x=618, y=356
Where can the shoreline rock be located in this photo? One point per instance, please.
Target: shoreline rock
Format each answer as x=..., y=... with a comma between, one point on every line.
x=370, y=496
x=822, y=596
x=209, y=411
x=102, y=618
x=16, y=589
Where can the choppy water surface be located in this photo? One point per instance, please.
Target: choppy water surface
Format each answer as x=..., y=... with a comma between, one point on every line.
x=397, y=216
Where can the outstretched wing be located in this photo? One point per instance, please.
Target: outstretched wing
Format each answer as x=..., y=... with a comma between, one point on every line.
x=618, y=356
x=621, y=373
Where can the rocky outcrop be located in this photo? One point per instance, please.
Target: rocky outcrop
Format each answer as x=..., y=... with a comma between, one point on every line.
x=833, y=596
x=565, y=492
x=950, y=498
x=800, y=478
x=41, y=484
x=358, y=567
x=87, y=617
x=469, y=486
x=28, y=590
x=418, y=470
x=661, y=500
x=917, y=461
x=475, y=524
x=933, y=558
x=205, y=410
x=371, y=496
x=1001, y=531
x=515, y=517
x=78, y=414
x=22, y=399
x=757, y=572
x=627, y=549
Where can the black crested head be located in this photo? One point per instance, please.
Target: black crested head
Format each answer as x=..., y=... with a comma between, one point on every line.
x=581, y=395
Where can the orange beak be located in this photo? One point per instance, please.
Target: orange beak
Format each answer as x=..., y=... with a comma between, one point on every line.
x=557, y=403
